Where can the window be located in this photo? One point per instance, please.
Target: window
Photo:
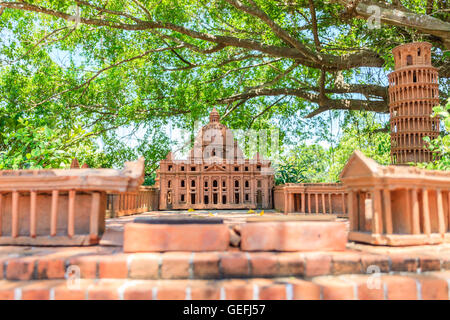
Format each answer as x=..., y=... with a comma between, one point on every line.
x=246, y=197
x=182, y=183
x=214, y=183
x=258, y=168
x=192, y=183
x=414, y=77
x=182, y=199
x=236, y=168
x=224, y=199
x=418, y=52
x=215, y=198
x=223, y=184
x=247, y=184
x=170, y=167
x=206, y=199
x=409, y=60
x=182, y=168
x=206, y=184
x=169, y=184
x=192, y=198
x=259, y=183
x=236, y=198
x=246, y=168
x=236, y=184
x=192, y=168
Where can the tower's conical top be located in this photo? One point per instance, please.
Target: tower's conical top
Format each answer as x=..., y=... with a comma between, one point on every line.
x=214, y=116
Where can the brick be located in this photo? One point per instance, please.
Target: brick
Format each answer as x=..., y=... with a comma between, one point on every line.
x=38, y=290
x=399, y=287
x=72, y=290
x=432, y=288
x=264, y=264
x=175, y=265
x=87, y=265
x=234, y=264
x=346, y=263
x=7, y=289
x=139, y=291
x=272, y=292
x=404, y=263
x=238, y=290
x=144, y=266
x=2, y=268
x=113, y=267
x=105, y=290
x=140, y=237
x=21, y=268
x=293, y=236
x=51, y=268
x=428, y=263
x=336, y=289
x=172, y=291
x=369, y=287
x=445, y=262
x=291, y=264
x=205, y=292
x=206, y=265
x=371, y=262
x=317, y=264
x=304, y=290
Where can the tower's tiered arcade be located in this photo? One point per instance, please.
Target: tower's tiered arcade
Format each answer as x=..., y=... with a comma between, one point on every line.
x=413, y=92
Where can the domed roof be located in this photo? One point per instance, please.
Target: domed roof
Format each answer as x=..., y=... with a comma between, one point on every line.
x=214, y=116
x=215, y=140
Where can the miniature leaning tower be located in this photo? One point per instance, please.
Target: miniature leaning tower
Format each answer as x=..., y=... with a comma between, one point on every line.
x=413, y=92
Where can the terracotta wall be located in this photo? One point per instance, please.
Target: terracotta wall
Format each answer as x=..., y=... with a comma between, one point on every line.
x=128, y=203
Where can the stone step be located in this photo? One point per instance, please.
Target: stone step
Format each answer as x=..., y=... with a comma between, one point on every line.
x=183, y=234
x=430, y=285
x=107, y=263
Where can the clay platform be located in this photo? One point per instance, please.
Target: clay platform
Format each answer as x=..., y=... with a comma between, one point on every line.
x=106, y=272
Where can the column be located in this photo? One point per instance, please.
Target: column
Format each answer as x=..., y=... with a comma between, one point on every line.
x=415, y=212
x=377, y=220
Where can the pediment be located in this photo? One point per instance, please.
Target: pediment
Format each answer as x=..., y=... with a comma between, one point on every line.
x=358, y=165
x=215, y=167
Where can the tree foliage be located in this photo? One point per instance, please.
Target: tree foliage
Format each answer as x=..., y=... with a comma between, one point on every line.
x=81, y=70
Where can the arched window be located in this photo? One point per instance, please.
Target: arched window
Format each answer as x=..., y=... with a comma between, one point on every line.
x=193, y=183
x=236, y=184
x=215, y=183
x=409, y=60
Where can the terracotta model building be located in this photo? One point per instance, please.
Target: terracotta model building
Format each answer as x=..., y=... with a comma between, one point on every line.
x=323, y=198
x=60, y=207
x=396, y=205
x=413, y=92
x=216, y=174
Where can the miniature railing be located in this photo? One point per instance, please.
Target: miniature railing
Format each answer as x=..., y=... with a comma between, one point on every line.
x=311, y=198
x=128, y=203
